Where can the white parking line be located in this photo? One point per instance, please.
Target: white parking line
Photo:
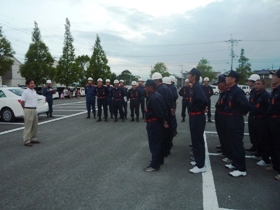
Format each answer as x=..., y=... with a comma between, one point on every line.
x=246, y=156
x=214, y=132
x=42, y=123
x=9, y=123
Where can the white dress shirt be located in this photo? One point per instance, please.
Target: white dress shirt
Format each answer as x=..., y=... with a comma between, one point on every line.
x=29, y=97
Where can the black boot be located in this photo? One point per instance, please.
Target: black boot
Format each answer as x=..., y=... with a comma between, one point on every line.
x=94, y=116
x=132, y=119
x=106, y=120
x=209, y=119
x=137, y=119
x=183, y=120
x=88, y=117
x=99, y=119
x=122, y=119
x=116, y=119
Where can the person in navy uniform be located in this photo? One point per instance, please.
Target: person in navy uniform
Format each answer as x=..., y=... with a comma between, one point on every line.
x=253, y=139
x=236, y=105
x=185, y=93
x=208, y=90
x=141, y=89
x=155, y=118
x=125, y=91
x=198, y=105
x=118, y=94
x=134, y=97
x=109, y=98
x=166, y=94
x=90, y=98
x=260, y=122
x=48, y=92
x=174, y=92
x=220, y=120
x=273, y=113
x=101, y=94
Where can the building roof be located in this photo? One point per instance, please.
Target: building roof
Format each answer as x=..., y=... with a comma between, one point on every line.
x=262, y=72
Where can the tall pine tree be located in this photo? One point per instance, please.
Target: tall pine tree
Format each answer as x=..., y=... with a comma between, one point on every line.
x=244, y=68
x=82, y=63
x=6, y=54
x=98, y=67
x=67, y=71
x=38, y=60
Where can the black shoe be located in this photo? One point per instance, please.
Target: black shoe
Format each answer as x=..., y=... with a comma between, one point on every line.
x=99, y=120
x=35, y=142
x=88, y=117
x=51, y=116
x=28, y=145
x=137, y=119
x=190, y=145
x=116, y=120
x=252, y=149
x=132, y=120
x=183, y=120
x=219, y=150
x=219, y=147
x=106, y=120
x=256, y=154
x=94, y=116
x=122, y=120
x=47, y=114
x=209, y=120
x=150, y=169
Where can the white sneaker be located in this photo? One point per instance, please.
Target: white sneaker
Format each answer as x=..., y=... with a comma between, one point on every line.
x=193, y=163
x=196, y=170
x=229, y=166
x=237, y=173
x=262, y=163
x=226, y=160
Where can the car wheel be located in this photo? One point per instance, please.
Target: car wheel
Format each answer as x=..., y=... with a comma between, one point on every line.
x=216, y=93
x=7, y=115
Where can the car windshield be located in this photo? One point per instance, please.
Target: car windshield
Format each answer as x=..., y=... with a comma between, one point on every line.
x=17, y=91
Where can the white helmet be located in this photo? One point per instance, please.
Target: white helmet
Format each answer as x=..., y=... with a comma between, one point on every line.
x=90, y=78
x=49, y=81
x=254, y=77
x=140, y=80
x=187, y=80
x=200, y=80
x=206, y=79
x=121, y=80
x=133, y=83
x=116, y=81
x=166, y=80
x=156, y=75
x=107, y=80
x=100, y=80
x=173, y=79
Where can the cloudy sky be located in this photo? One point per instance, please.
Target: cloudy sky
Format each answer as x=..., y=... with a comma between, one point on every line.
x=137, y=34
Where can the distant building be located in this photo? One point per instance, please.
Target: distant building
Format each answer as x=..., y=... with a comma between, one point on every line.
x=13, y=77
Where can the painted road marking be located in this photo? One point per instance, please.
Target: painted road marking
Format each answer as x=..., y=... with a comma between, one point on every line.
x=215, y=132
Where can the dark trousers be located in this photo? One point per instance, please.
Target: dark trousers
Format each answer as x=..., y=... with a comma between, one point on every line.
x=118, y=106
x=235, y=134
x=155, y=131
x=90, y=103
x=221, y=131
x=110, y=104
x=274, y=137
x=124, y=108
x=50, y=103
x=209, y=108
x=134, y=108
x=142, y=102
x=260, y=131
x=185, y=104
x=167, y=139
x=102, y=102
x=197, y=126
x=251, y=131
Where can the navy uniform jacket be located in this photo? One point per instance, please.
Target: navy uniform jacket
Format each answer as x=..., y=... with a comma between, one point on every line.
x=252, y=95
x=174, y=92
x=142, y=91
x=274, y=102
x=133, y=94
x=101, y=92
x=90, y=90
x=155, y=108
x=198, y=100
x=260, y=103
x=208, y=91
x=221, y=102
x=125, y=91
x=117, y=93
x=166, y=95
x=109, y=88
x=48, y=94
x=185, y=92
x=236, y=101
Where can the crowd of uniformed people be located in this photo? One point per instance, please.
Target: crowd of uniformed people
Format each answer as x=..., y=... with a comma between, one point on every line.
x=158, y=100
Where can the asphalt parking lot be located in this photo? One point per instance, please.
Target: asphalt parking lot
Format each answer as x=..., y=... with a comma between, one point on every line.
x=84, y=164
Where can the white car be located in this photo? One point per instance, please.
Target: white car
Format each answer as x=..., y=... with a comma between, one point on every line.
x=245, y=88
x=215, y=89
x=10, y=103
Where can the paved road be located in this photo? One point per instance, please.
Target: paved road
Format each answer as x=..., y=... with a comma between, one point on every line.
x=82, y=164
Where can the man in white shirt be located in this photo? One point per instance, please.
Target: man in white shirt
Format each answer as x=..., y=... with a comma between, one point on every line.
x=29, y=105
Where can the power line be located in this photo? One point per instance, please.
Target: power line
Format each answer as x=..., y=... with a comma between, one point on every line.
x=232, y=42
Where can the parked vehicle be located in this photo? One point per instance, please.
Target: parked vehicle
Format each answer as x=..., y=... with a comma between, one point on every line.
x=245, y=88
x=215, y=89
x=10, y=103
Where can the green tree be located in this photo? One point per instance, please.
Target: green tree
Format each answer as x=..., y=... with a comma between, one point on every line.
x=161, y=68
x=244, y=68
x=113, y=77
x=98, y=67
x=38, y=64
x=82, y=64
x=206, y=69
x=67, y=71
x=6, y=54
x=127, y=76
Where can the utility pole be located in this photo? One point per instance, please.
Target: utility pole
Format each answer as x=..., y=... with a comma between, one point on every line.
x=232, y=42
